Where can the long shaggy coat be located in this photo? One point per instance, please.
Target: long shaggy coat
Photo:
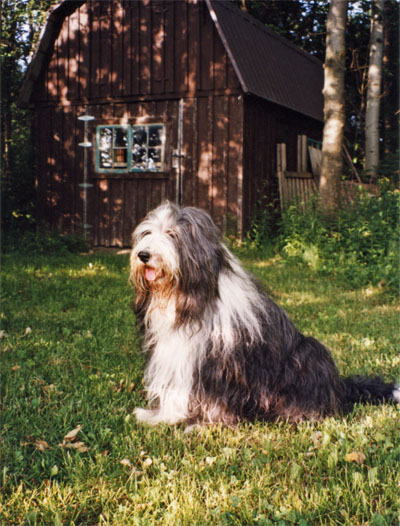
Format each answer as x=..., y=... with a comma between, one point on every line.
x=220, y=350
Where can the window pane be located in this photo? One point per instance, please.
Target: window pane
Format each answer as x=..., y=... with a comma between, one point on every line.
x=155, y=135
x=105, y=159
x=112, y=146
x=147, y=148
x=139, y=158
x=140, y=135
x=120, y=137
x=155, y=155
x=120, y=157
x=105, y=138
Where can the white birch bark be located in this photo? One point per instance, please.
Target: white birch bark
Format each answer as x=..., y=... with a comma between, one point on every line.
x=374, y=88
x=334, y=105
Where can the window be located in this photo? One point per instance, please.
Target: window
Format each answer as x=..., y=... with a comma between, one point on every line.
x=147, y=148
x=137, y=148
x=112, y=147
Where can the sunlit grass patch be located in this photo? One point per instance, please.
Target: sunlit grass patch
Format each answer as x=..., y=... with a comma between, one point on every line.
x=72, y=453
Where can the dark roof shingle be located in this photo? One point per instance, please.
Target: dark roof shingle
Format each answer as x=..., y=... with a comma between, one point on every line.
x=268, y=65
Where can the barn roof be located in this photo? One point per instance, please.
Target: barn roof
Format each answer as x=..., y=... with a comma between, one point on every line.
x=47, y=39
x=267, y=65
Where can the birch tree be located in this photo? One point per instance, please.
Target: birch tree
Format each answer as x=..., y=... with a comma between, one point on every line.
x=334, y=105
x=374, y=88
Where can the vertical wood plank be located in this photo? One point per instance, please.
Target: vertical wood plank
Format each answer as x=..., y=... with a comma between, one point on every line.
x=157, y=47
x=145, y=47
x=133, y=51
x=219, y=62
x=204, y=153
x=119, y=50
x=95, y=50
x=181, y=48
x=169, y=62
x=193, y=36
x=116, y=213
x=84, y=65
x=188, y=147
x=74, y=55
x=206, y=50
x=235, y=164
x=41, y=165
x=105, y=62
x=195, y=151
x=130, y=215
x=218, y=190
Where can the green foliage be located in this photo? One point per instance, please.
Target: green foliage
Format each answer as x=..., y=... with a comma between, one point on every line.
x=71, y=361
x=361, y=244
x=45, y=242
x=262, y=225
x=21, y=24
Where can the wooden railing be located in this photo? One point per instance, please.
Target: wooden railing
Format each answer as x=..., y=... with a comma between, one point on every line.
x=300, y=185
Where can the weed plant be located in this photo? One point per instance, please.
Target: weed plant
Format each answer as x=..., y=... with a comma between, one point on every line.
x=360, y=244
x=72, y=453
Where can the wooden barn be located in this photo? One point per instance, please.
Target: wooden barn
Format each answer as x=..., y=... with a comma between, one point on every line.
x=138, y=101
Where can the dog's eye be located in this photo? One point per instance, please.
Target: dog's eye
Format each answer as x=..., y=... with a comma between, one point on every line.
x=144, y=234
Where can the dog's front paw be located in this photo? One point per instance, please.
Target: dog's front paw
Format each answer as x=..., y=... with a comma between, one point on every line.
x=153, y=417
x=146, y=416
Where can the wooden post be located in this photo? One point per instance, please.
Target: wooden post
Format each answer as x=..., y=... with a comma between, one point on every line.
x=281, y=169
x=302, y=153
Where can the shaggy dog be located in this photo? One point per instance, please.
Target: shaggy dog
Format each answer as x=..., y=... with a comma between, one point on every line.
x=220, y=349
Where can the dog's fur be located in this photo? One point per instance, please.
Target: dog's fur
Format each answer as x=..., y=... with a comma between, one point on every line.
x=220, y=349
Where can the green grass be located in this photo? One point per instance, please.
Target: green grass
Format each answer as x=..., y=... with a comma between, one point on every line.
x=71, y=357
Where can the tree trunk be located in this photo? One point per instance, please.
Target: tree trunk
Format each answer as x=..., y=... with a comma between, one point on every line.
x=334, y=106
x=374, y=88
x=390, y=81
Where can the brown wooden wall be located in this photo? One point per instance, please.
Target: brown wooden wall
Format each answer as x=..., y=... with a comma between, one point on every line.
x=211, y=167
x=124, y=61
x=265, y=125
x=110, y=49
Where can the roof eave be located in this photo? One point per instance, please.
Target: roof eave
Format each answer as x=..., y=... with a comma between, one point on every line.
x=47, y=38
x=231, y=56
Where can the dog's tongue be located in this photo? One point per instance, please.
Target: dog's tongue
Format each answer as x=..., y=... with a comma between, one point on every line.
x=150, y=274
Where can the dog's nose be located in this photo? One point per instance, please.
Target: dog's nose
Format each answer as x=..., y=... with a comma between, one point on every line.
x=144, y=256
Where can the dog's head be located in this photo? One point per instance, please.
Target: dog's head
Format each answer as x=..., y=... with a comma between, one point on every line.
x=178, y=251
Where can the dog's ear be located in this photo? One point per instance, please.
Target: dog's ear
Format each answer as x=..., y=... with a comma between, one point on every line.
x=201, y=257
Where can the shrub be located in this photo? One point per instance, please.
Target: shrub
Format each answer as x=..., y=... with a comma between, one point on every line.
x=361, y=243
x=44, y=242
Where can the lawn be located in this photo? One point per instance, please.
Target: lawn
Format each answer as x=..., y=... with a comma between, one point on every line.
x=72, y=453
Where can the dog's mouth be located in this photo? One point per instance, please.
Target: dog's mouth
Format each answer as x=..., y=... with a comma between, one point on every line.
x=151, y=274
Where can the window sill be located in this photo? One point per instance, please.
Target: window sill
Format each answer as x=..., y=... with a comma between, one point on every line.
x=132, y=175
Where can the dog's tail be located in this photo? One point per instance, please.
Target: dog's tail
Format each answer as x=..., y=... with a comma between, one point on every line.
x=369, y=390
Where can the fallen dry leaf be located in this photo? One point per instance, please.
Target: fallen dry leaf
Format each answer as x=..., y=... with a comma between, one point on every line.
x=355, y=456
x=126, y=462
x=71, y=436
x=79, y=446
x=316, y=437
x=41, y=445
x=147, y=462
x=15, y=368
